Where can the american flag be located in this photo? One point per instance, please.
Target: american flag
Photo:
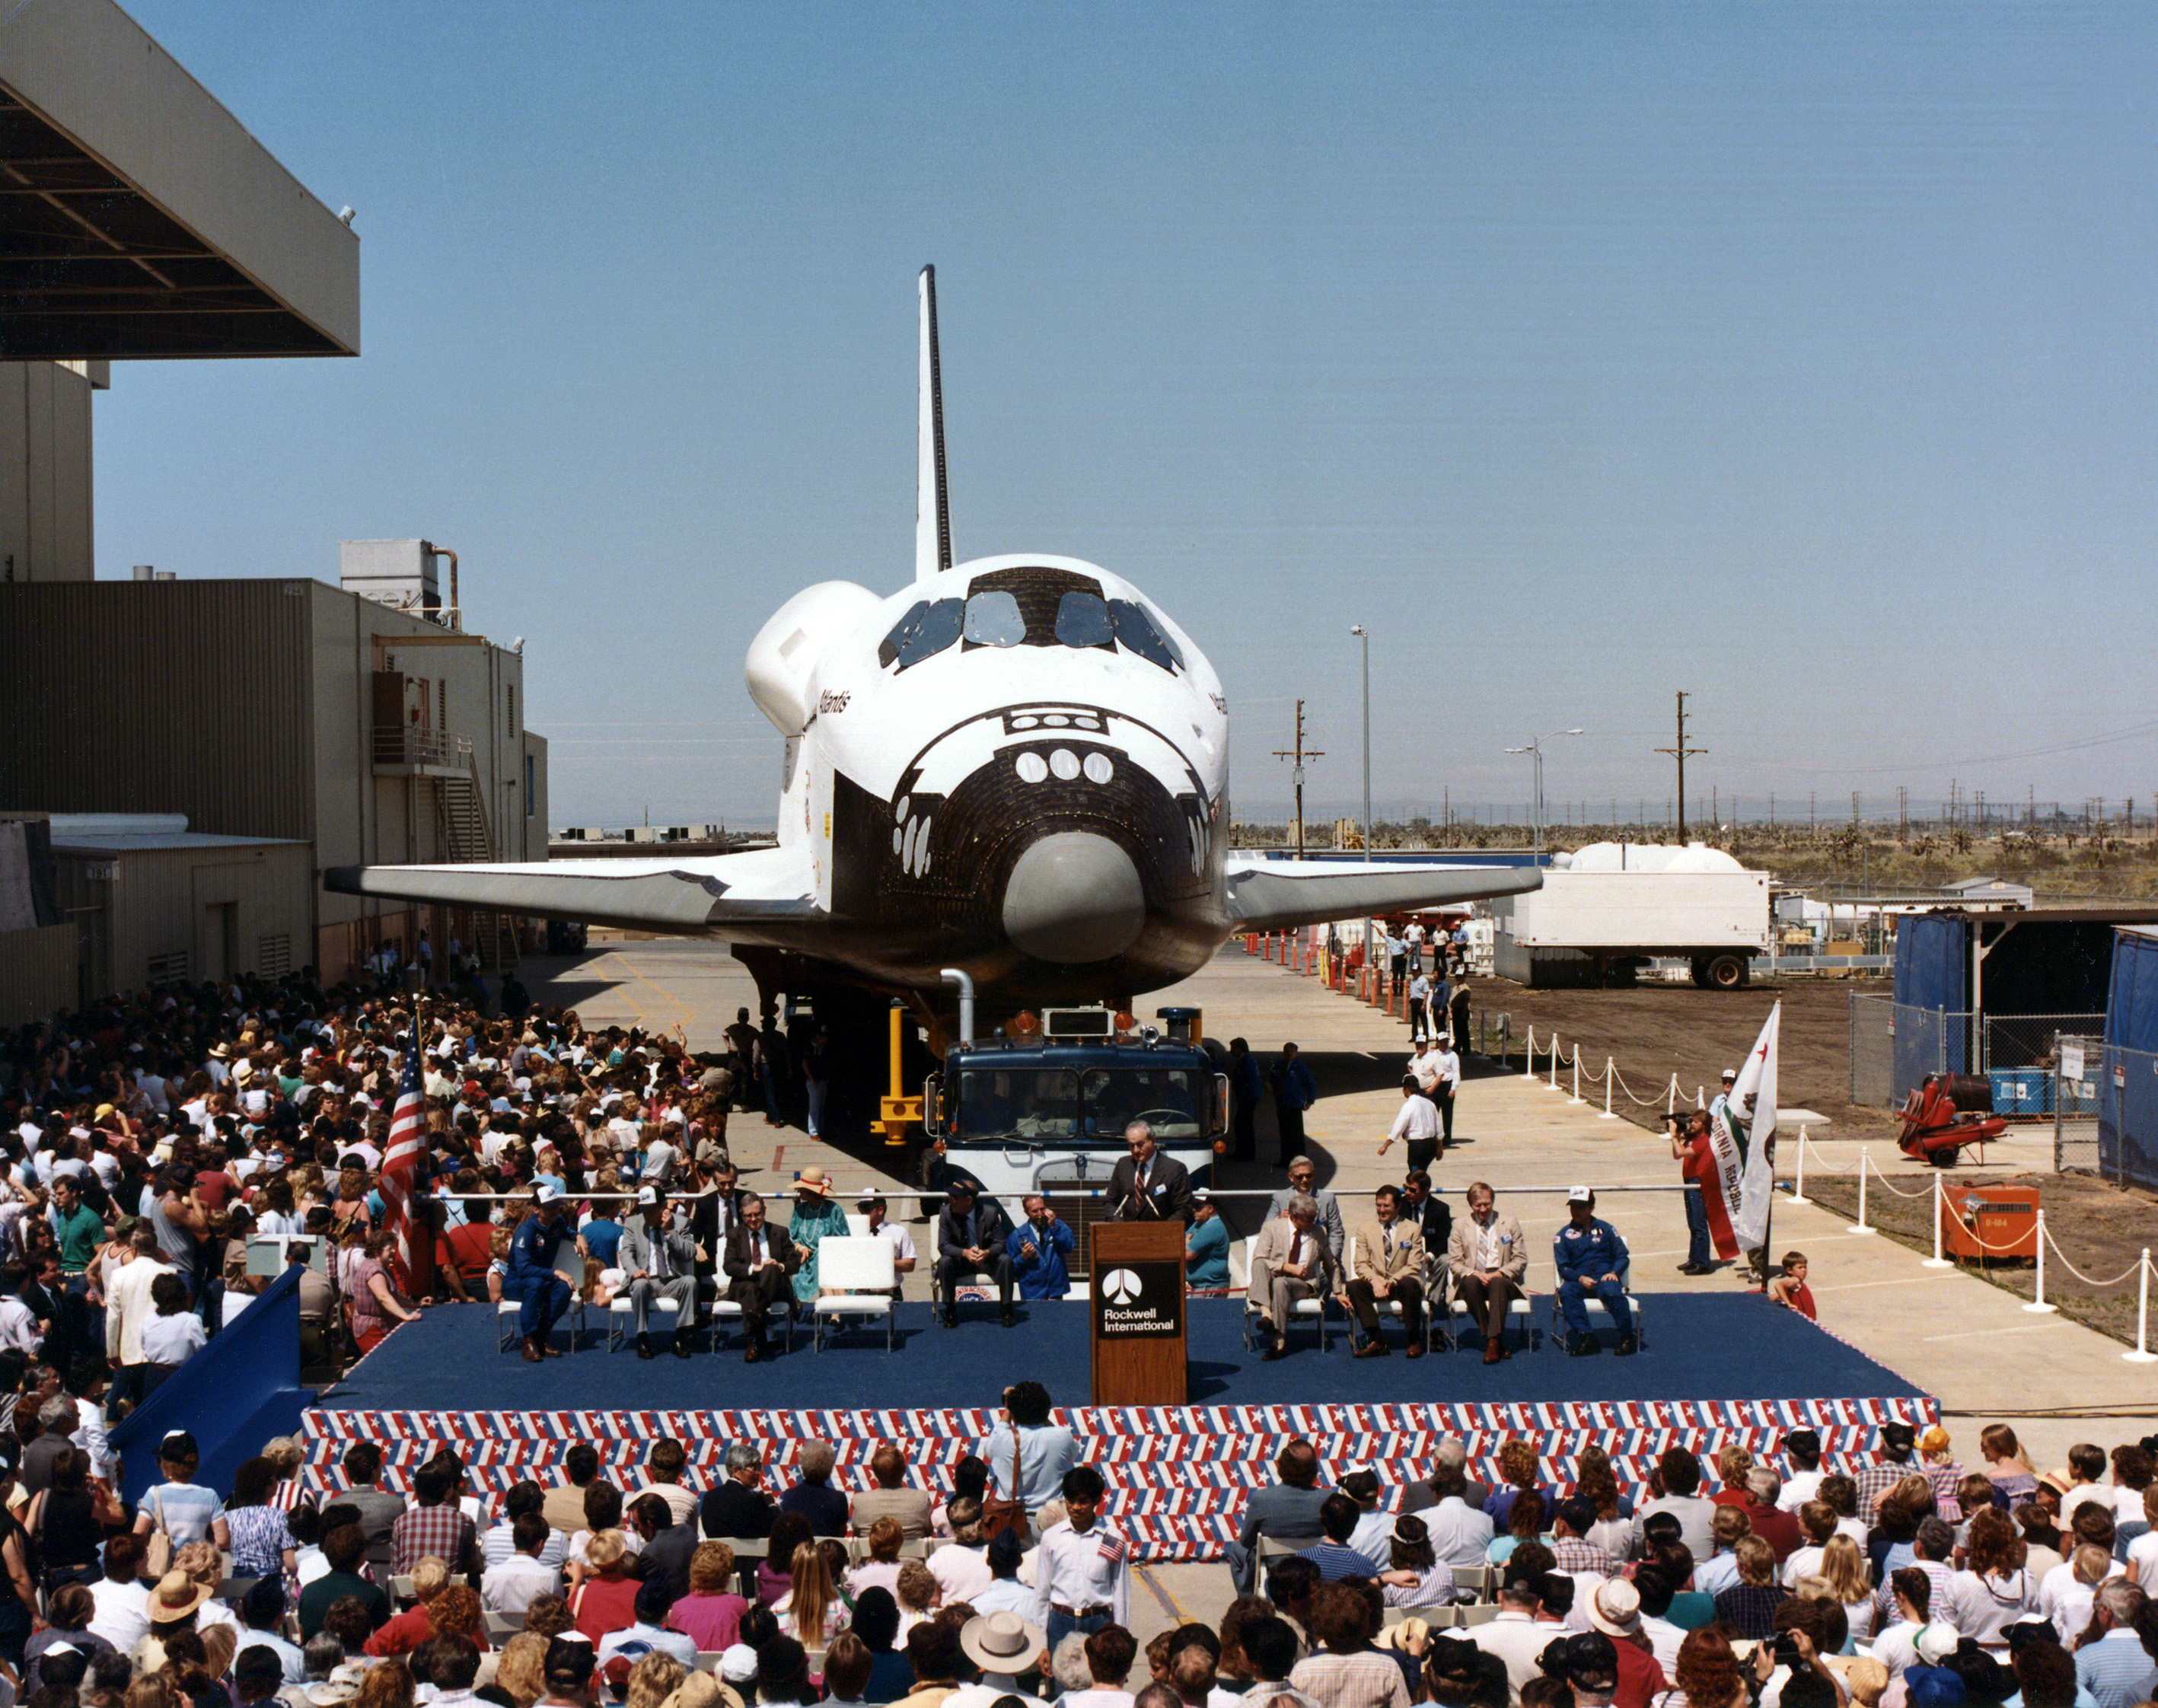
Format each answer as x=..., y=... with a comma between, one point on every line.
x=408, y=1128
x=1113, y=1548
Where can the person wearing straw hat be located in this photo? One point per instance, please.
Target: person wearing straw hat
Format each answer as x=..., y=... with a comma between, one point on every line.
x=817, y=1216
x=1007, y=1649
x=658, y=1254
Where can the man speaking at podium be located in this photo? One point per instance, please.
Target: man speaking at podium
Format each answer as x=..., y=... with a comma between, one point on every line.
x=1147, y=1186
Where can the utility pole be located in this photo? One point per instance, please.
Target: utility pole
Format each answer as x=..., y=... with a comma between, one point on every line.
x=1679, y=753
x=1299, y=753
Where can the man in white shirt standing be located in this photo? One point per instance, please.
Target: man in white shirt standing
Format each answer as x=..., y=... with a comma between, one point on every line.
x=1415, y=1122
x=1081, y=1571
x=1450, y=1076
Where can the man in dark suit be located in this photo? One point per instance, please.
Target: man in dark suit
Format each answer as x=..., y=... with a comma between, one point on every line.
x=667, y=1546
x=1285, y=1511
x=738, y=1506
x=1147, y=1186
x=760, y=1268
x=1420, y=1496
x=971, y=1231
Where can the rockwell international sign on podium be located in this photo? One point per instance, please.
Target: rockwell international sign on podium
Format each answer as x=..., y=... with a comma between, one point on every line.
x=1137, y=1308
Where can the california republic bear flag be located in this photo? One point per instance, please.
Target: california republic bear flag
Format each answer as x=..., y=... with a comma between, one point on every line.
x=1746, y=1140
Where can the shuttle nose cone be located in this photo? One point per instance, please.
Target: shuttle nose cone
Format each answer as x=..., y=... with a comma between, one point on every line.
x=1074, y=897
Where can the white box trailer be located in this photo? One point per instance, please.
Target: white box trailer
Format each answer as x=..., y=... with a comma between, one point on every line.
x=1600, y=925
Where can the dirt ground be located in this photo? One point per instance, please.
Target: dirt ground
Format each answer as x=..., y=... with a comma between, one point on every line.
x=2102, y=1229
x=1656, y=1030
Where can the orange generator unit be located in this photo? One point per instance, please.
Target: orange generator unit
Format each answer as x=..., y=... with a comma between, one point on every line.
x=1987, y=1221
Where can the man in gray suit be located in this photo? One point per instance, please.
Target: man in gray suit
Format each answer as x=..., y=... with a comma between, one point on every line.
x=1287, y=1510
x=658, y=1261
x=1302, y=1173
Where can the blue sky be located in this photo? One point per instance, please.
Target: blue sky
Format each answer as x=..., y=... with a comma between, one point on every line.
x=1799, y=356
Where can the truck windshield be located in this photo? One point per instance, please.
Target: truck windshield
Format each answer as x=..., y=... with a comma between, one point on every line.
x=1166, y=1098
x=1030, y=1102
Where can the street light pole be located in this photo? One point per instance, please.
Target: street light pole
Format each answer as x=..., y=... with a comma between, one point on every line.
x=1536, y=746
x=1358, y=630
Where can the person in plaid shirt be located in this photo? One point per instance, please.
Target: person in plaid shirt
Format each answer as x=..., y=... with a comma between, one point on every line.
x=436, y=1525
x=1571, y=1549
x=1877, y=1478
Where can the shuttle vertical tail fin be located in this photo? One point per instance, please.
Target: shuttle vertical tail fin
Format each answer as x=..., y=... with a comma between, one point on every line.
x=932, y=508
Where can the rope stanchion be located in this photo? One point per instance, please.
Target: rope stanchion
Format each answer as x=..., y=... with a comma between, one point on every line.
x=2143, y=1354
x=2092, y=1280
x=1799, y=1184
x=1700, y=1097
x=1610, y=1074
x=2038, y=1305
x=1940, y=1213
x=1671, y=1099
x=1554, y=1062
x=1864, y=1162
x=1576, y=1097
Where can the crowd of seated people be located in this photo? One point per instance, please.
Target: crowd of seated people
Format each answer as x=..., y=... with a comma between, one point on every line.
x=152, y=1146
x=1900, y=1579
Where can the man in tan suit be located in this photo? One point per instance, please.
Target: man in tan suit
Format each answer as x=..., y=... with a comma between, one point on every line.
x=890, y=1498
x=1487, y=1259
x=1286, y=1257
x=1389, y=1266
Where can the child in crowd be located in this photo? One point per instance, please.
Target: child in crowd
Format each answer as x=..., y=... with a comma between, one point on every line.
x=1790, y=1288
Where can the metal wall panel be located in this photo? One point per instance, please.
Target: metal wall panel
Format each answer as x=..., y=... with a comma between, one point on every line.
x=154, y=906
x=157, y=697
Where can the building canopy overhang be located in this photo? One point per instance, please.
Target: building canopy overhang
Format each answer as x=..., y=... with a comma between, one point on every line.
x=139, y=219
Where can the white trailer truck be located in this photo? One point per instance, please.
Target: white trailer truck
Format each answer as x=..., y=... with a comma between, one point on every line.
x=1613, y=907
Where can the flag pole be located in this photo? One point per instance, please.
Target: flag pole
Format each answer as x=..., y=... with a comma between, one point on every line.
x=1768, y=1220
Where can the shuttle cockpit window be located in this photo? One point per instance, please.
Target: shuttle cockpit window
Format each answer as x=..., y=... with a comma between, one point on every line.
x=927, y=628
x=1137, y=630
x=993, y=620
x=1083, y=620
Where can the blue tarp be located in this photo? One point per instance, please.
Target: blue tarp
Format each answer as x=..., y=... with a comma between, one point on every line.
x=232, y=1397
x=2131, y=1008
x=1932, y=963
x=2128, y=1086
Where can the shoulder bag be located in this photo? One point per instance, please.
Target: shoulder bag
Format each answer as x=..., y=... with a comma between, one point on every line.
x=1000, y=1514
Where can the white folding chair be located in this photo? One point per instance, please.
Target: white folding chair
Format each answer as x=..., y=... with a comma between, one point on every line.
x=622, y=1317
x=1519, y=1314
x=1303, y=1310
x=726, y=1310
x=860, y=1275
x=1595, y=1306
x=1387, y=1307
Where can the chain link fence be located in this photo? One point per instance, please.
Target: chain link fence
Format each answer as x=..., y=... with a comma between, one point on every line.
x=1894, y=1046
x=2075, y=1100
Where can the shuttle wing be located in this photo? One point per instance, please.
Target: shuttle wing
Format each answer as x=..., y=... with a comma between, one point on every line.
x=701, y=896
x=1263, y=894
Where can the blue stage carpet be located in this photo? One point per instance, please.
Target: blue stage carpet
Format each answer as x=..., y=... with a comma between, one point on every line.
x=1699, y=1347
x=1717, y=1369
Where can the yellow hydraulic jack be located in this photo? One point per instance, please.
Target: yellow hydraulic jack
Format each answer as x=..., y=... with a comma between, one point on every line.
x=895, y=1112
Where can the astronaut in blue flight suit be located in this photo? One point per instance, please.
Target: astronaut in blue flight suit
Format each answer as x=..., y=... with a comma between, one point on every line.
x=543, y=1294
x=1591, y=1258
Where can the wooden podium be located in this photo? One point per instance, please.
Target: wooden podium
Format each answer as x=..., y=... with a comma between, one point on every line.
x=1136, y=1310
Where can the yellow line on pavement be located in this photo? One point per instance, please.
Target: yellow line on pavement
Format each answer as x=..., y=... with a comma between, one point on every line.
x=1162, y=1595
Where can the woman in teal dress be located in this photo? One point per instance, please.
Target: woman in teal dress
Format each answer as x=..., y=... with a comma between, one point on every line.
x=815, y=1216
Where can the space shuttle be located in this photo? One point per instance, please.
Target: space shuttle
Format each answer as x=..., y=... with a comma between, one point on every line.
x=1015, y=767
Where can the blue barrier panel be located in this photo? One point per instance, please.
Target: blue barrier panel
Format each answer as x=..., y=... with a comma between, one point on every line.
x=232, y=1397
